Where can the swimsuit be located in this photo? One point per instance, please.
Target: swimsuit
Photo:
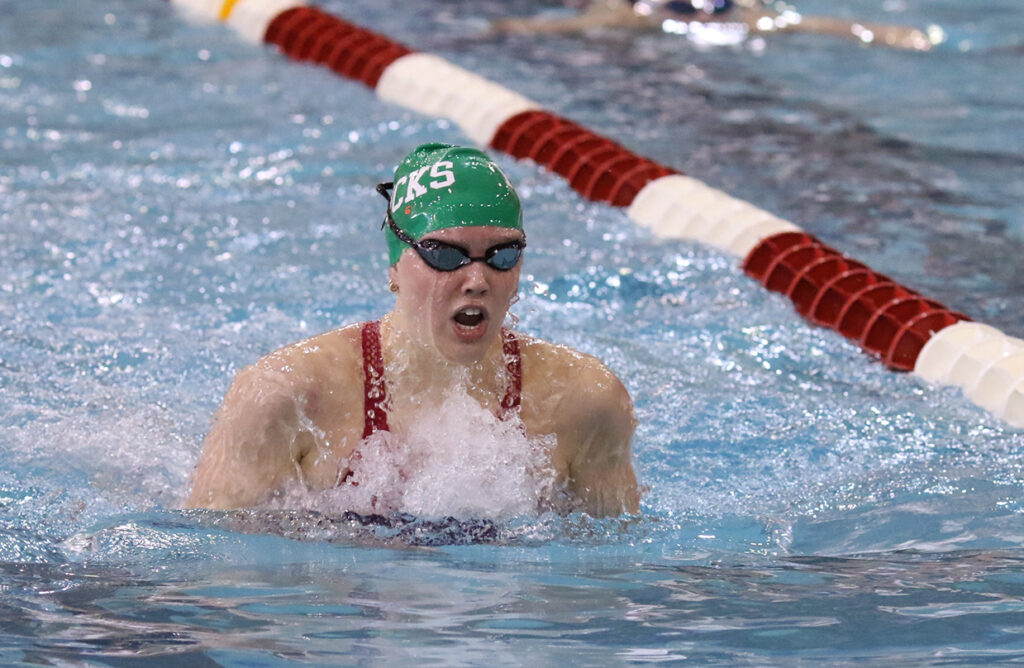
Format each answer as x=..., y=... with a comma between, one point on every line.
x=375, y=392
x=375, y=415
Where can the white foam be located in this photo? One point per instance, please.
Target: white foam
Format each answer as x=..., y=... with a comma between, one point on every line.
x=456, y=459
x=131, y=456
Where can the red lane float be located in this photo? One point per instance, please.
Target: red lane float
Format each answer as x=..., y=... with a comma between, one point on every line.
x=885, y=318
x=309, y=34
x=905, y=330
x=596, y=167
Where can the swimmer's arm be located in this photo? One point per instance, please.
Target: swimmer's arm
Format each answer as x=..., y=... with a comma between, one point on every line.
x=254, y=445
x=601, y=472
x=599, y=14
x=895, y=36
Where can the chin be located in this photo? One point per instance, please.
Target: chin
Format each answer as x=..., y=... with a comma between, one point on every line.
x=465, y=351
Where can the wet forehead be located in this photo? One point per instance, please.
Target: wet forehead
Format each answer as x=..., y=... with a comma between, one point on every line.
x=472, y=236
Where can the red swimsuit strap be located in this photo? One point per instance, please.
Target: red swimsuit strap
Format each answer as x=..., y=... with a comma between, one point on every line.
x=514, y=365
x=374, y=390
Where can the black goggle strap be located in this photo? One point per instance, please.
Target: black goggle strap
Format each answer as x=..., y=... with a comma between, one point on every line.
x=402, y=235
x=389, y=220
x=384, y=189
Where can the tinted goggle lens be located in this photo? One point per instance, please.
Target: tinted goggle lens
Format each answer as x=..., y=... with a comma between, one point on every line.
x=441, y=256
x=445, y=257
x=504, y=257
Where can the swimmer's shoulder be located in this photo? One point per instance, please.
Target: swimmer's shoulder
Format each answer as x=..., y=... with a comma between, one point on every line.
x=555, y=360
x=572, y=380
x=328, y=362
x=318, y=353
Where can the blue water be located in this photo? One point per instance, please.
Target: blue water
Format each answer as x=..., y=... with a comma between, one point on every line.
x=175, y=203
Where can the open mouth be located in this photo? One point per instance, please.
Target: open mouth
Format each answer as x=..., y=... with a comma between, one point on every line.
x=470, y=316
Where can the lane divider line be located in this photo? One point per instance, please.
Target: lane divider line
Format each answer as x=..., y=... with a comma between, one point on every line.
x=903, y=329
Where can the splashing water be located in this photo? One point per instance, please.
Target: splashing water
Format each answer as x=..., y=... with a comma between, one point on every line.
x=176, y=203
x=454, y=459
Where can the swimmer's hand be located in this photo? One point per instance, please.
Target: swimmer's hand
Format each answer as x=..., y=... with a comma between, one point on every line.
x=879, y=34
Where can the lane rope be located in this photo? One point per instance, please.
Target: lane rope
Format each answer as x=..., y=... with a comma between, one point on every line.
x=225, y=10
x=898, y=325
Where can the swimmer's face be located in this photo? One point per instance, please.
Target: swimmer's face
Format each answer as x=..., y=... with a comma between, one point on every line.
x=460, y=312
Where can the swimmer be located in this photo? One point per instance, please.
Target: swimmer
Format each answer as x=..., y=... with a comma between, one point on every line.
x=300, y=415
x=754, y=16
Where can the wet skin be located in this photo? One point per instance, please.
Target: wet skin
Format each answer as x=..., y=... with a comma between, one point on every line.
x=296, y=416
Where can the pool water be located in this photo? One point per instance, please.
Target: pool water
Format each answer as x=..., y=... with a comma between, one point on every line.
x=175, y=203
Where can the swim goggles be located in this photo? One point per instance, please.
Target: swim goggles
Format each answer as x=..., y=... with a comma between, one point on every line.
x=443, y=256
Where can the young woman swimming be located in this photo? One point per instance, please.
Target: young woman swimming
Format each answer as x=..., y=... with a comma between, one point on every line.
x=305, y=414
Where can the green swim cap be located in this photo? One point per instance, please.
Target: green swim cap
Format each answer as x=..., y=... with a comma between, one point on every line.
x=439, y=186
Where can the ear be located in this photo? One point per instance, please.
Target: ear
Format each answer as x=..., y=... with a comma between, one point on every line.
x=393, y=277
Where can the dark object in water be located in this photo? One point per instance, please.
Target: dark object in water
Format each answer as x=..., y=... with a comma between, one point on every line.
x=412, y=530
x=393, y=528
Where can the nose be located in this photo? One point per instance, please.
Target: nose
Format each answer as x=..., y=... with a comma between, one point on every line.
x=475, y=281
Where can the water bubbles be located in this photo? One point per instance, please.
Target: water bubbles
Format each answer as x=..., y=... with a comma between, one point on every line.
x=707, y=33
x=863, y=34
x=936, y=35
x=123, y=110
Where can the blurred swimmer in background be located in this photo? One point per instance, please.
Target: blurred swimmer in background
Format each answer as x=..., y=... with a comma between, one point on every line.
x=749, y=16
